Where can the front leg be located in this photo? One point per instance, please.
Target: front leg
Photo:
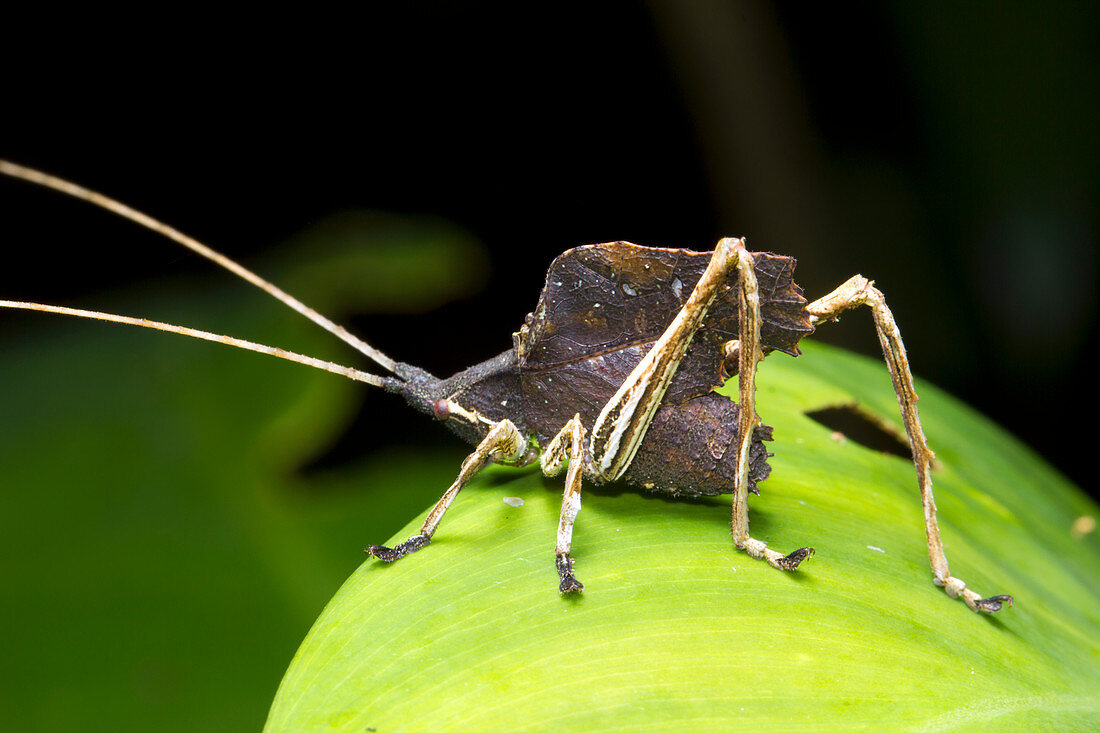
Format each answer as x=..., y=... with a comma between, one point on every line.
x=860, y=291
x=503, y=443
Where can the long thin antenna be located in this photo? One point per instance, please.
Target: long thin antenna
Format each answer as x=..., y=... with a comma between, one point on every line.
x=59, y=184
x=327, y=366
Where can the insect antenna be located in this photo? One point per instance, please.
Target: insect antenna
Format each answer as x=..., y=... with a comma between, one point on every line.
x=328, y=366
x=93, y=197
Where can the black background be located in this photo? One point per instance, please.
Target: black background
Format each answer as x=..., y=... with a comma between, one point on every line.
x=949, y=152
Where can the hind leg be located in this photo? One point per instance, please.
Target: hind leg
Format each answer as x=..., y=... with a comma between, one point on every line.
x=623, y=423
x=748, y=353
x=860, y=291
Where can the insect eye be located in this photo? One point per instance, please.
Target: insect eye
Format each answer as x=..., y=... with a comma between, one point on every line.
x=441, y=409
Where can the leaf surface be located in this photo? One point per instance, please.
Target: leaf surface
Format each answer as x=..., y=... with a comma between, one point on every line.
x=676, y=629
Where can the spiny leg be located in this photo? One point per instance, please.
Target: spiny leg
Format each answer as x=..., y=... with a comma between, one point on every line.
x=748, y=353
x=553, y=458
x=503, y=443
x=857, y=291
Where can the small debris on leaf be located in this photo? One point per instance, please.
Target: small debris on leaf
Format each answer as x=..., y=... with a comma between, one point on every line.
x=1082, y=526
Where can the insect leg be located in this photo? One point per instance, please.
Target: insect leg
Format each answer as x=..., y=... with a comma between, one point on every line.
x=553, y=458
x=748, y=353
x=623, y=423
x=503, y=443
x=857, y=291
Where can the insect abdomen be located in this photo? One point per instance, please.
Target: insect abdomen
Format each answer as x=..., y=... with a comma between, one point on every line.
x=689, y=450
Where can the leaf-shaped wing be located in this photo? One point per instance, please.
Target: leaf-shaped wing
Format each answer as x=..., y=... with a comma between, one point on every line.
x=604, y=305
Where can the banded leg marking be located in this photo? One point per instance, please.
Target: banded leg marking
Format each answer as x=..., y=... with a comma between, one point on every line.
x=858, y=291
x=504, y=443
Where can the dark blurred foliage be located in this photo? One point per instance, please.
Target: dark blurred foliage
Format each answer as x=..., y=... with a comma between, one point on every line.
x=947, y=150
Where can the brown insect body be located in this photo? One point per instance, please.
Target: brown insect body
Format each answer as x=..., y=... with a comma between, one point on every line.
x=601, y=310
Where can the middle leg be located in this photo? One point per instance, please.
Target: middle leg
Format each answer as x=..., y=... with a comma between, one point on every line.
x=568, y=443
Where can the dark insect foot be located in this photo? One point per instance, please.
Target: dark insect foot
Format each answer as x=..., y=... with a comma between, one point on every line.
x=569, y=582
x=993, y=603
x=792, y=561
x=389, y=554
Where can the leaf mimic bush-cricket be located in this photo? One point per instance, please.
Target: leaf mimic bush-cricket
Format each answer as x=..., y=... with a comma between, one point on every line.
x=614, y=371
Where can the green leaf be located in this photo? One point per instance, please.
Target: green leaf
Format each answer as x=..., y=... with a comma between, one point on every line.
x=678, y=630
